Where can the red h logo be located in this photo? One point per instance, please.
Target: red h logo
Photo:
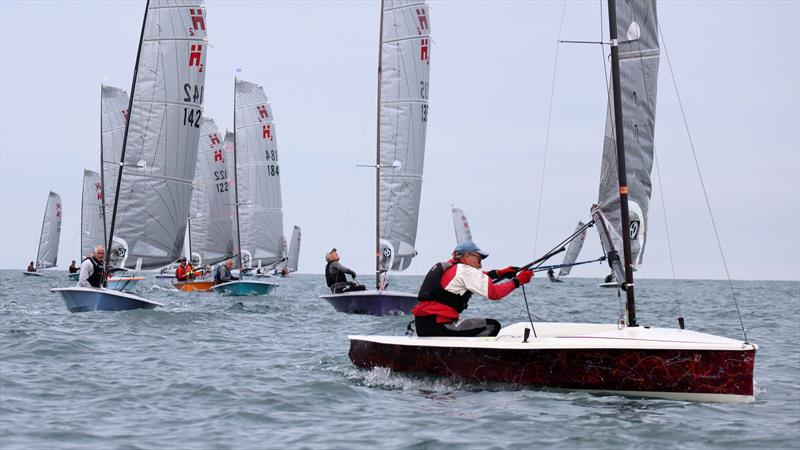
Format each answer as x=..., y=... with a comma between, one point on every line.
x=423, y=51
x=125, y=114
x=214, y=137
x=266, y=132
x=423, y=20
x=262, y=112
x=58, y=210
x=218, y=156
x=198, y=23
x=194, y=55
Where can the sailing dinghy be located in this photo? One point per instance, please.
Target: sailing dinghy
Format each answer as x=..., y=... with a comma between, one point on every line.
x=403, y=79
x=47, y=254
x=157, y=160
x=623, y=358
x=256, y=189
x=463, y=232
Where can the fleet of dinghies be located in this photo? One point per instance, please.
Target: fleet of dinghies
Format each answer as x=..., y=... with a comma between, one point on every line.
x=170, y=181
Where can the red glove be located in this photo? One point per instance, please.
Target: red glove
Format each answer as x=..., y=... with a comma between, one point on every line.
x=502, y=274
x=523, y=277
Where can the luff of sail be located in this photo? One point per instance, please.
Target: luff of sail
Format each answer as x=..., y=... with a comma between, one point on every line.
x=47, y=254
x=573, y=250
x=639, y=57
x=211, y=217
x=114, y=113
x=405, y=70
x=257, y=178
x=461, y=225
x=160, y=153
x=92, y=232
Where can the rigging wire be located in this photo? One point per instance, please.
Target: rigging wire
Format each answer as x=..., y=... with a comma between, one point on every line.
x=355, y=168
x=703, y=185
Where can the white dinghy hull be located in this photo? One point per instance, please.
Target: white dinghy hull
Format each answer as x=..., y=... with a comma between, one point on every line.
x=633, y=361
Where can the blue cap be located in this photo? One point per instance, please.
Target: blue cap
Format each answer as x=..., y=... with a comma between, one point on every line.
x=467, y=246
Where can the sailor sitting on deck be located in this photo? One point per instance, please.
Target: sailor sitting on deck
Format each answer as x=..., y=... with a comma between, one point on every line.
x=448, y=286
x=222, y=274
x=31, y=267
x=93, y=269
x=336, y=275
x=72, y=267
x=184, y=271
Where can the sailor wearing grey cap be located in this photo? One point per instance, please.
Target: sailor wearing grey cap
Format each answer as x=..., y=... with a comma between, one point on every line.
x=448, y=286
x=336, y=275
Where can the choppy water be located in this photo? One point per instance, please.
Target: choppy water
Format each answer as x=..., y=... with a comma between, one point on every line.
x=266, y=372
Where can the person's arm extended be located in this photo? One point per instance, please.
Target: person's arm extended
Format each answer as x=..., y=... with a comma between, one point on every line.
x=480, y=283
x=340, y=268
x=86, y=271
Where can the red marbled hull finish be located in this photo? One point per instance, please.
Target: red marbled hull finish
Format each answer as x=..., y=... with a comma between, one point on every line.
x=683, y=371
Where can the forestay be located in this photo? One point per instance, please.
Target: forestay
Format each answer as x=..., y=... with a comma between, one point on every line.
x=461, y=225
x=639, y=55
x=161, y=146
x=92, y=232
x=573, y=250
x=114, y=114
x=211, y=219
x=257, y=178
x=403, y=114
x=47, y=256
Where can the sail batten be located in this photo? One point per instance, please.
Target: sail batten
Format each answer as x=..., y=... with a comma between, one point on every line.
x=260, y=216
x=403, y=113
x=160, y=151
x=638, y=50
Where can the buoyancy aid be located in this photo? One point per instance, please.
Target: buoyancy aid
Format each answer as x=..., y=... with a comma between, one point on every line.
x=98, y=268
x=332, y=278
x=432, y=290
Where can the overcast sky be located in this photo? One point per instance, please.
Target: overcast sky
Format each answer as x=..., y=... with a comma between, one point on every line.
x=736, y=64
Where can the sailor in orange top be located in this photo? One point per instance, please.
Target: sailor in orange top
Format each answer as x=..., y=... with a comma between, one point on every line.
x=448, y=286
x=181, y=273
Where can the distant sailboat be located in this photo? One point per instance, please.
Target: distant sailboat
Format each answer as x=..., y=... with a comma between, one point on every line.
x=461, y=225
x=293, y=258
x=573, y=250
x=403, y=80
x=210, y=226
x=50, y=235
x=621, y=358
x=158, y=155
x=257, y=190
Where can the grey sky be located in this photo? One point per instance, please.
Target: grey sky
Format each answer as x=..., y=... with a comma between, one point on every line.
x=737, y=66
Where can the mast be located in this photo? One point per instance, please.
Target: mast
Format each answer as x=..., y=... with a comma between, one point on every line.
x=378, y=163
x=124, y=144
x=236, y=180
x=621, y=172
x=189, y=232
x=102, y=172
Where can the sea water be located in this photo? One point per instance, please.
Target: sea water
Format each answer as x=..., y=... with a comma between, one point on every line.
x=206, y=371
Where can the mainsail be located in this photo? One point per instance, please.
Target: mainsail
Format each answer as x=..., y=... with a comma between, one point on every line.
x=403, y=114
x=573, y=250
x=113, y=115
x=294, y=250
x=258, y=178
x=92, y=232
x=638, y=55
x=47, y=256
x=160, y=151
x=211, y=224
x=461, y=225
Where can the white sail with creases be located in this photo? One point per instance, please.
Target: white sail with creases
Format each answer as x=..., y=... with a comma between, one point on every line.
x=294, y=250
x=47, y=255
x=404, y=76
x=114, y=114
x=573, y=250
x=92, y=230
x=638, y=61
x=160, y=153
x=461, y=225
x=258, y=178
x=211, y=225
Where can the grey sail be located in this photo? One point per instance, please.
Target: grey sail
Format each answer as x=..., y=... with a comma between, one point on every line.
x=294, y=250
x=573, y=250
x=160, y=153
x=258, y=178
x=92, y=230
x=114, y=113
x=403, y=115
x=211, y=225
x=47, y=255
x=639, y=56
x=461, y=225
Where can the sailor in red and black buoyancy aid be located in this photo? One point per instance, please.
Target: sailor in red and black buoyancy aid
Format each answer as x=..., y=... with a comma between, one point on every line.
x=448, y=286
